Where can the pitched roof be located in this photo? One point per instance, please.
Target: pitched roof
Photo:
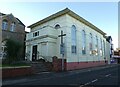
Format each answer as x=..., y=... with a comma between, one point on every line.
x=71, y=13
x=20, y=22
x=2, y=14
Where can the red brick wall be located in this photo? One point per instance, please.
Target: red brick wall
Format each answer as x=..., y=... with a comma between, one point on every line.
x=57, y=64
x=13, y=35
x=80, y=65
x=14, y=72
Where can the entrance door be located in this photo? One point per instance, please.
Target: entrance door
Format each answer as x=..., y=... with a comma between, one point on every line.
x=34, y=54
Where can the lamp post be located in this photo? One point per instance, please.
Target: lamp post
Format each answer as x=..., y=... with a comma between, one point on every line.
x=62, y=48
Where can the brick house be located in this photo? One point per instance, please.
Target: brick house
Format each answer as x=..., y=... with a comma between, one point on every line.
x=11, y=28
x=84, y=44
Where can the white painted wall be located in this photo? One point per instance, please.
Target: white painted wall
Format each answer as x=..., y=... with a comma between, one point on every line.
x=52, y=41
x=79, y=57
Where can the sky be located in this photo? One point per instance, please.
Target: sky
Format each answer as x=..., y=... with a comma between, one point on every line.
x=103, y=15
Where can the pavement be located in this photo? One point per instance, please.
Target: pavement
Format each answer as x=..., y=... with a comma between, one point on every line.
x=51, y=75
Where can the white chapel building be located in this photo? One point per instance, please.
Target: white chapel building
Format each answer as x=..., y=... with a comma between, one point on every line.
x=84, y=43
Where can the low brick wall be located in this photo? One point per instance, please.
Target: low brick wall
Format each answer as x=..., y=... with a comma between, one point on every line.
x=9, y=72
x=80, y=65
x=57, y=64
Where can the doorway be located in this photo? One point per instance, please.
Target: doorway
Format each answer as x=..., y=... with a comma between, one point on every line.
x=34, y=54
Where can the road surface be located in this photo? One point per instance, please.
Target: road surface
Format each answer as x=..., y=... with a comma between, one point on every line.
x=98, y=76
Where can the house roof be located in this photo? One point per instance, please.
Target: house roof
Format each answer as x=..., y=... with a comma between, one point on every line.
x=2, y=14
x=20, y=22
x=71, y=13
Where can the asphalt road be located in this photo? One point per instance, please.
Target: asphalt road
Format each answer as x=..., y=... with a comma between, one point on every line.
x=100, y=76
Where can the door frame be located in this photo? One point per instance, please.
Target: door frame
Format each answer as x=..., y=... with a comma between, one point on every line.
x=34, y=52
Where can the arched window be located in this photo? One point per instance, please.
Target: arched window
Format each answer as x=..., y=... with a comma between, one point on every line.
x=101, y=53
x=83, y=42
x=90, y=44
x=73, y=38
x=57, y=26
x=4, y=25
x=104, y=47
x=96, y=45
x=12, y=26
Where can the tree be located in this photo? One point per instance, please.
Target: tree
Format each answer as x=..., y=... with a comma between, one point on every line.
x=12, y=51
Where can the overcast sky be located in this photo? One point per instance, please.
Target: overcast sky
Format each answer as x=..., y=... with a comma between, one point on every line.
x=103, y=15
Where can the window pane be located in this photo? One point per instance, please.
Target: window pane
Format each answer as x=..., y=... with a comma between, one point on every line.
x=57, y=26
x=101, y=52
x=73, y=38
x=38, y=33
x=90, y=44
x=73, y=49
x=35, y=33
x=96, y=45
x=104, y=47
x=83, y=42
x=4, y=25
x=12, y=26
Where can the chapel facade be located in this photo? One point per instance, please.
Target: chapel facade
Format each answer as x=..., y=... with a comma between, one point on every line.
x=83, y=46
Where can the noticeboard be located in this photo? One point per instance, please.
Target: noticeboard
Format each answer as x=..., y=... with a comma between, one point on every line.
x=62, y=48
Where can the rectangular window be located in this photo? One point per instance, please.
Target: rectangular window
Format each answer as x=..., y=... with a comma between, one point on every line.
x=36, y=34
x=33, y=34
x=12, y=26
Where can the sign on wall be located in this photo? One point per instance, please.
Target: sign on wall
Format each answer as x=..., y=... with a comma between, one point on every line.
x=62, y=48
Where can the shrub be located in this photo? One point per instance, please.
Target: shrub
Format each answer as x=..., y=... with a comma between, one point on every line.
x=12, y=51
